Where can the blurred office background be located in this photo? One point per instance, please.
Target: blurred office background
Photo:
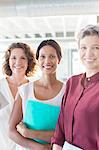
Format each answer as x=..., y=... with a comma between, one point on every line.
x=32, y=21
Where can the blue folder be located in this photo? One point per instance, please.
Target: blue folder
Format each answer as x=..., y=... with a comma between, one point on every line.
x=41, y=116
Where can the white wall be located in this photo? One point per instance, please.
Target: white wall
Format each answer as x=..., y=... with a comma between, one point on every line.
x=64, y=68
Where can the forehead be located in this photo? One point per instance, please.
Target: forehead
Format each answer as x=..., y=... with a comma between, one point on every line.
x=48, y=49
x=17, y=51
x=90, y=40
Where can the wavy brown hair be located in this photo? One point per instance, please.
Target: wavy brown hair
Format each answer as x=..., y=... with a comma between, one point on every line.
x=29, y=54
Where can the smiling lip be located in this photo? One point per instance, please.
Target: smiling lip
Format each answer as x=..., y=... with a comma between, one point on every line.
x=18, y=67
x=47, y=67
x=89, y=60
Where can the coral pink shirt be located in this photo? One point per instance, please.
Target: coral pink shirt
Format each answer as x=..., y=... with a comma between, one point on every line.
x=79, y=117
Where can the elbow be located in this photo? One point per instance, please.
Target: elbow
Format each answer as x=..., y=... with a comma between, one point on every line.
x=11, y=132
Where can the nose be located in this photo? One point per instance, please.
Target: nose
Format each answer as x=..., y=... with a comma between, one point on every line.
x=89, y=52
x=47, y=60
x=18, y=61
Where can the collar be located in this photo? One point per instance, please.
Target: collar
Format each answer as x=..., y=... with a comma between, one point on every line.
x=90, y=80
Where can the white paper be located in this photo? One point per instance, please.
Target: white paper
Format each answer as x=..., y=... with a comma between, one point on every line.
x=3, y=101
x=68, y=146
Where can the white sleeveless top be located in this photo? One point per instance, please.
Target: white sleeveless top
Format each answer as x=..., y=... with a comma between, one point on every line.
x=5, y=142
x=26, y=92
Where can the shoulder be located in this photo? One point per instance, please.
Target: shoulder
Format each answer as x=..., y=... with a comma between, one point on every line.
x=3, y=83
x=25, y=86
x=73, y=82
x=3, y=80
x=62, y=85
x=25, y=89
x=75, y=78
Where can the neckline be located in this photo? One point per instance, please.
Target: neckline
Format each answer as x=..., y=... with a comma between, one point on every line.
x=59, y=93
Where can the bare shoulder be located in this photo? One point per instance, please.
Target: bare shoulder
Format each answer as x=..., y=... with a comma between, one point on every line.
x=59, y=83
x=36, y=83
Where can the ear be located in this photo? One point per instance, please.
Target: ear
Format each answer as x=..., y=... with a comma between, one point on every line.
x=58, y=61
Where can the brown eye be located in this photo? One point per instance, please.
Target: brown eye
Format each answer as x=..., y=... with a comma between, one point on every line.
x=52, y=56
x=83, y=48
x=23, y=58
x=13, y=57
x=42, y=56
x=97, y=48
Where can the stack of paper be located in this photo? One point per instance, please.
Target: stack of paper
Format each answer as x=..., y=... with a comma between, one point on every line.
x=68, y=146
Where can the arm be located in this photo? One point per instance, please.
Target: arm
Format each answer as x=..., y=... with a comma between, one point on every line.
x=16, y=117
x=59, y=134
x=56, y=147
x=29, y=133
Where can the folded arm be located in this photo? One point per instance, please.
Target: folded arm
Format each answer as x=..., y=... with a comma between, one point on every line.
x=15, y=119
x=38, y=134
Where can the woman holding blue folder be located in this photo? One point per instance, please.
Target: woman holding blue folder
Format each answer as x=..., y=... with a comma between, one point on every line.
x=37, y=106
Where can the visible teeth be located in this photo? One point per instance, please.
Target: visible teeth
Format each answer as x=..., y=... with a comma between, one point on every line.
x=89, y=59
x=47, y=67
x=17, y=67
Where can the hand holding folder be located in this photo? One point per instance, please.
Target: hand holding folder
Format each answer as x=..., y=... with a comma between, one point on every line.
x=41, y=116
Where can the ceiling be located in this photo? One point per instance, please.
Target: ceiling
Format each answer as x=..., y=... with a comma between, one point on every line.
x=45, y=18
x=33, y=8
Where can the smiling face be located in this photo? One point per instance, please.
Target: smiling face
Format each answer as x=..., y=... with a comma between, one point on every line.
x=18, y=61
x=48, y=59
x=89, y=53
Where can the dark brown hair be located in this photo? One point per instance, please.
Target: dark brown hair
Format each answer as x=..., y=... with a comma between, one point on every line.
x=51, y=43
x=29, y=54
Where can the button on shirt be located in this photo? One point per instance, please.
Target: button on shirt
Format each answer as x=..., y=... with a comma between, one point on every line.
x=79, y=117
